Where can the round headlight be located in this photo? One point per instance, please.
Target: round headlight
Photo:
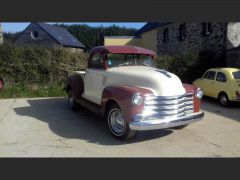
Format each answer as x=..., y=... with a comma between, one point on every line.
x=137, y=99
x=199, y=93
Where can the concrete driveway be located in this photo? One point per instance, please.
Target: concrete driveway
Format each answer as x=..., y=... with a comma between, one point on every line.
x=45, y=127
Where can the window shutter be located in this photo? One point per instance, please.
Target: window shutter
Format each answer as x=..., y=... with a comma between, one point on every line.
x=165, y=35
x=210, y=28
x=182, y=32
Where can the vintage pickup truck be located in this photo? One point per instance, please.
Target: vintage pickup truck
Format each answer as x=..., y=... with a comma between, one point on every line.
x=122, y=84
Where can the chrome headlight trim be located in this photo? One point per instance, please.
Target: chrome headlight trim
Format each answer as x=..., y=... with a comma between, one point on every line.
x=199, y=93
x=137, y=99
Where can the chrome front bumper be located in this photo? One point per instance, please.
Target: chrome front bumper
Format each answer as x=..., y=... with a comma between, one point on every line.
x=165, y=123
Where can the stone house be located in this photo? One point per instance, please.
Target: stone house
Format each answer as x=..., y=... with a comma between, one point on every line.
x=50, y=36
x=219, y=38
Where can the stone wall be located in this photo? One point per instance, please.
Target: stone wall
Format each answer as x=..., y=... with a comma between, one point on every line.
x=232, y=57
x=194, y=41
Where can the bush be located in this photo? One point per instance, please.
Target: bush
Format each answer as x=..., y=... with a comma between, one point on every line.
x=38, y=65
x=188, y=66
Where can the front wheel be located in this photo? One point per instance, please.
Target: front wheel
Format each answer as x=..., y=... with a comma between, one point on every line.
x=117, y=125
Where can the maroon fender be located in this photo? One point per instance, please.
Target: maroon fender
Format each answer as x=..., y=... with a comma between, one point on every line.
x=76, y=84
x=192, y=89
x=122, y=95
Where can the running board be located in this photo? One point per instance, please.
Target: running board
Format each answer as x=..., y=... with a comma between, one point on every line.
x=89, y=105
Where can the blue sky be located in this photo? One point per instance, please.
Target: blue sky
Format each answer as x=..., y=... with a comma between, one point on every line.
x=16, y=27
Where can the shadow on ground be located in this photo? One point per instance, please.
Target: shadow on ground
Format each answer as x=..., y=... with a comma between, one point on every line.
x=213, y=106
x=78, y=125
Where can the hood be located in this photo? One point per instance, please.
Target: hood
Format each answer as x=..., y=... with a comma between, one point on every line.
x=160, y=82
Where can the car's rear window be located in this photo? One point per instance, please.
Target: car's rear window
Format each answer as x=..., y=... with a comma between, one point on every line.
x=236, y=74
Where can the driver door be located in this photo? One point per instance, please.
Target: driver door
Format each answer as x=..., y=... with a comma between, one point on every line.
x=208, y=82
x=93, y=81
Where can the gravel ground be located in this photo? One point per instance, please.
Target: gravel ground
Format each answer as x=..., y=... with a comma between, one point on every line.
x=45, y=127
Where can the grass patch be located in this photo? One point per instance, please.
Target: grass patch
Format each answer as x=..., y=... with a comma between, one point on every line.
x=31, y=91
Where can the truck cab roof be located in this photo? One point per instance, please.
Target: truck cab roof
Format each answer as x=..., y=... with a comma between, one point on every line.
x=122, y=50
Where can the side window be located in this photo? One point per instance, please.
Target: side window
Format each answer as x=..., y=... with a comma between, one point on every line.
x=221, y=77
x=209, y=75
x=96, y=61
x=205, y=75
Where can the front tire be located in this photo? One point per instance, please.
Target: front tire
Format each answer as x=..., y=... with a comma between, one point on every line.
x=117, y=124
x=223, y=99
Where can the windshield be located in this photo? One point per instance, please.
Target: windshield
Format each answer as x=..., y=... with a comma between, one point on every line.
x=115, y=60
x=236, y=74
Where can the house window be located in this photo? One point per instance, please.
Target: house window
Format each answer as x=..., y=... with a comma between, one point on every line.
x=165, y=35
x=182, y=32
x=34, y=34
x=206, y=29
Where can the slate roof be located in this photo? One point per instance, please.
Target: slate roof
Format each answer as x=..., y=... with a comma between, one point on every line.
x=61, y=35
x=150, y=26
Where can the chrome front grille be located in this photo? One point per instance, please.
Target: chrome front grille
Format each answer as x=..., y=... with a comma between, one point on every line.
x=169, y=106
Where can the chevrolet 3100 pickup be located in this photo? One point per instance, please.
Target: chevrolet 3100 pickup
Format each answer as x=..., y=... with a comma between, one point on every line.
x=122, y=84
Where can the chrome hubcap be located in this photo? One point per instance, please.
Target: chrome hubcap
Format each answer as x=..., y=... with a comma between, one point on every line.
x=117, y=121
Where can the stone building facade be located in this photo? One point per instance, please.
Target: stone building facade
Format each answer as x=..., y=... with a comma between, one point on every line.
x=178, y=38
x=220, y=39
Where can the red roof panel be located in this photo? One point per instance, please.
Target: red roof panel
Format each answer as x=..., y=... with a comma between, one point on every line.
x=123, y=50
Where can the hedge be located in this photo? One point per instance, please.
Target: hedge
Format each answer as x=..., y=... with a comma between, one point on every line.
x=44, y=66
x=188, y=66
x=38, y=65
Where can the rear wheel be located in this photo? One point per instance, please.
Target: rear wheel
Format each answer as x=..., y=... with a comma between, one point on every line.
x=117, y=124
x=223, y=99
x=71, y=101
